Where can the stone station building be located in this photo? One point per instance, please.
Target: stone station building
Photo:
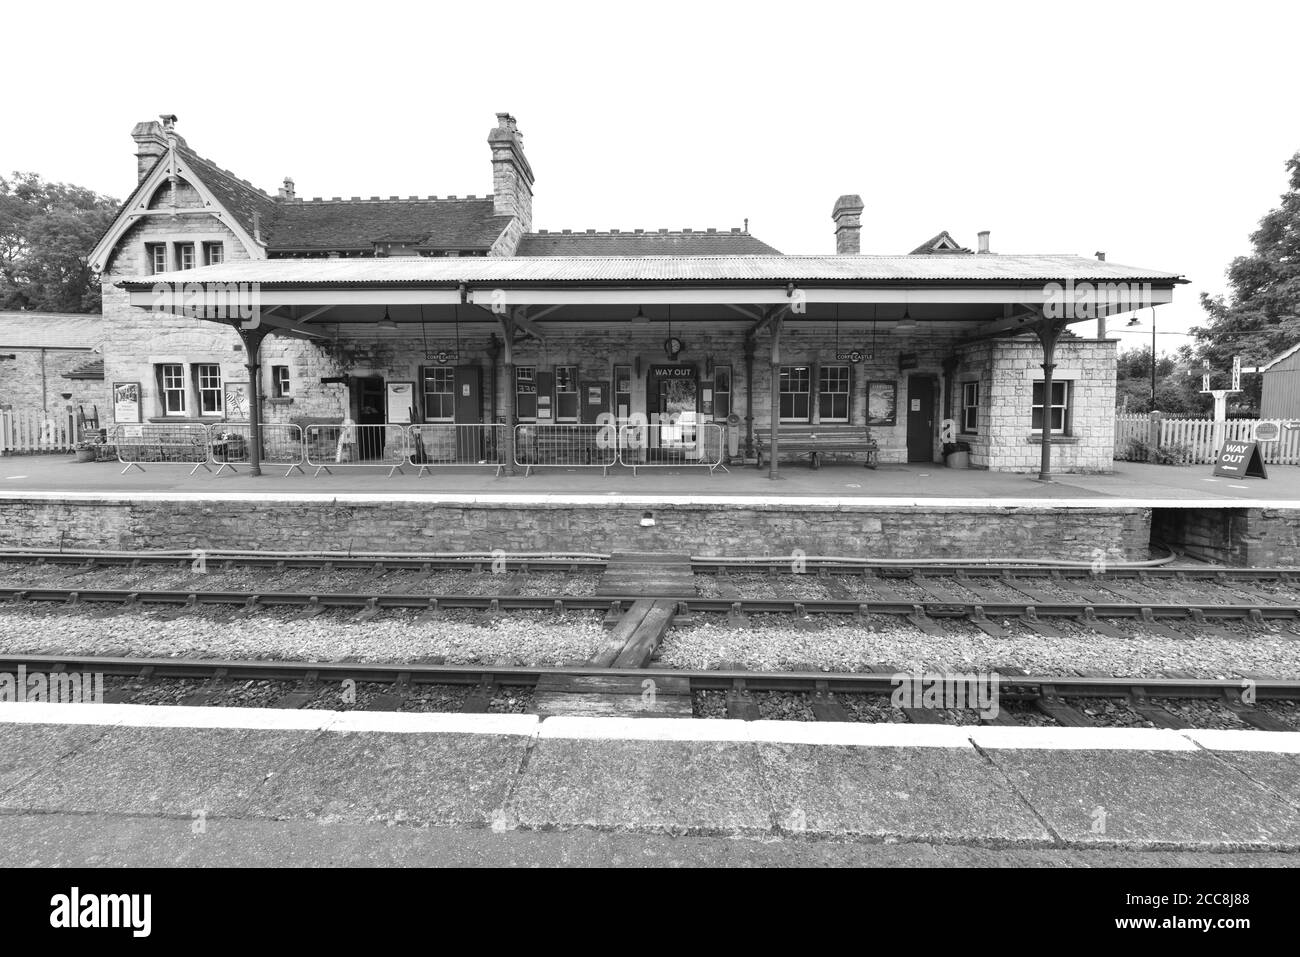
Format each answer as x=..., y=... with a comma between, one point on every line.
x=456, y=310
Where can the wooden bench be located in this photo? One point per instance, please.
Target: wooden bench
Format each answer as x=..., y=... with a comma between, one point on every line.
x=816, y=440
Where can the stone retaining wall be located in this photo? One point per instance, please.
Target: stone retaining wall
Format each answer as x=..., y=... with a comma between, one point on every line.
x=1121, y=534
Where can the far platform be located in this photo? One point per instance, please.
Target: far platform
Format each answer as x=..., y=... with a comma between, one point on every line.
x=1130, y=484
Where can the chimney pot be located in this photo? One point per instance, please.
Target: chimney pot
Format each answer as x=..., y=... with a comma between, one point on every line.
x=847, y=214
x=984, y=241
x=1101, y=255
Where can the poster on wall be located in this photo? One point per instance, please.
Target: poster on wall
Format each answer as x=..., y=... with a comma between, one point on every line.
x=401, y=399
x=126, y=402
x=882, y=403
x=238, y=398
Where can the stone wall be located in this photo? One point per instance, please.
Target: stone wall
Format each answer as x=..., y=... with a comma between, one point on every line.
x=426, y=526
x=1241, y=537
x=1006, y=370
x=33, y=379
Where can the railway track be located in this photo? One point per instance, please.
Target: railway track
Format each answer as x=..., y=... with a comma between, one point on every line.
x=917, y=611
x=1049, y=694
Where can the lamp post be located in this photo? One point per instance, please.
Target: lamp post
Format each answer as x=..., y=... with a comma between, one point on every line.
x=1136, y=322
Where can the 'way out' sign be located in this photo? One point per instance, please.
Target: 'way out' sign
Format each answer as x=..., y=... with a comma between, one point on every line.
x=1240, y=460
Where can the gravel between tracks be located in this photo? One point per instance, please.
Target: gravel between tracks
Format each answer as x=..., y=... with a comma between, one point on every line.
x=782, y=642
x=535, y=638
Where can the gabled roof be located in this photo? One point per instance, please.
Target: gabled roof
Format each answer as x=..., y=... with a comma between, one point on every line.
x=943, y=243
x=663, y=242
x=50, y=330
x=239, y=197
x=1286, y=355
x=431, y=224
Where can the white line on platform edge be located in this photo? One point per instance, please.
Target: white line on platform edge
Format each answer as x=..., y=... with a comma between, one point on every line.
x=685, y=730
x=640, y=500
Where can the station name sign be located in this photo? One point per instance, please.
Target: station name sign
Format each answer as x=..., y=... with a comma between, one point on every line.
x=852, y=355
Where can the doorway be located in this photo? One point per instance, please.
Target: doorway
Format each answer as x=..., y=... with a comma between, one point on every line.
x=920, y=418
x=673, y=402
x=370, y=398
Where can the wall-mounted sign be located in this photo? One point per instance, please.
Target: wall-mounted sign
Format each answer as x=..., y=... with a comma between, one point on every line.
x=1240, y=460
x=882, y=403
x=1267, y=432
x=400, y=397
x=907, y=360
x=673, y=372
x=238, y=399
x=126, y=402
x=442, y=356
x=852, y=355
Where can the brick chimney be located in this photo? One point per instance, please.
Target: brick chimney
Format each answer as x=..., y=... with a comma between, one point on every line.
x=286, y=191
x=848, y=224
x=512, y=177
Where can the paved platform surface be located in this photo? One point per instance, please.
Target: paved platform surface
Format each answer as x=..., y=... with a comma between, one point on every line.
x=1130, y=483
x=124, y=784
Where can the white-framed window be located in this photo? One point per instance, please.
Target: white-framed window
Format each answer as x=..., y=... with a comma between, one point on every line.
x=171, y=386
x=214, y=254
x=794, y=382
x=439, y=394
x=157, y=257
x=970, y=407
x=566, y=394
x=280, y=387
x=207, y=384
x=833, y=391
x=721, y=391
x=1059, y=408
x=185, y=255
x=526, y=393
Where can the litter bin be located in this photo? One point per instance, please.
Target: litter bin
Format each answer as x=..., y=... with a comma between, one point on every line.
x=733, y=435
x=956, y=455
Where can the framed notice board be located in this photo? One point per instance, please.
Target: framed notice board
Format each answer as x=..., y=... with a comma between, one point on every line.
x=882, y=403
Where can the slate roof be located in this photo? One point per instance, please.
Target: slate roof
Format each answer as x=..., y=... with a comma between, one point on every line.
x=94, y=369
x=431, y=223
x=50, y=330
x=662, y=242
x=414, y=270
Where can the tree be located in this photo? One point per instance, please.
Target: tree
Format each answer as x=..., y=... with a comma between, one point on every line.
x=1176, y=389
x=1262, y=317
x=47, y=231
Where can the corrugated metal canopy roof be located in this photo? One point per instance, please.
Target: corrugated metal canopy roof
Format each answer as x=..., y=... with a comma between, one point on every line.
x=655, y=269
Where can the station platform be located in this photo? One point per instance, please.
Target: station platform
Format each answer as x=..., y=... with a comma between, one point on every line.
x=894, y=512
x=123, y=784
x=1136, y=484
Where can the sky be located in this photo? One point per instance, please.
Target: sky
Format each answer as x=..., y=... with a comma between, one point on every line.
x=1155, y=132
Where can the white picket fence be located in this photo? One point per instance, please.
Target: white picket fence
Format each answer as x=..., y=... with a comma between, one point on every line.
x=32, y=430
x=1203, y=441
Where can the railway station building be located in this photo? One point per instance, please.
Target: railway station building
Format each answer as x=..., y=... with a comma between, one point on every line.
x=226, y=303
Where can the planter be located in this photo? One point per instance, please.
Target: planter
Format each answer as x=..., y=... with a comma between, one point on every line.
x=85, y=455
x=957, y=460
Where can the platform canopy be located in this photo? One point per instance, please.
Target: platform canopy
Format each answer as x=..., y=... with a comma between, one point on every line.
x=976, y=295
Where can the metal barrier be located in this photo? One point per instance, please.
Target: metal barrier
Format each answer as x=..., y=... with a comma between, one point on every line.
x=568, y=446
x=357, y=446
x=439, y=445
x=230, y=446
x=159, y=444
x=672, y=446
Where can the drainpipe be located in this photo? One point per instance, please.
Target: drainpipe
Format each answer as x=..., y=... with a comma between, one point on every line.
x=749, y=397
x=45, y=403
